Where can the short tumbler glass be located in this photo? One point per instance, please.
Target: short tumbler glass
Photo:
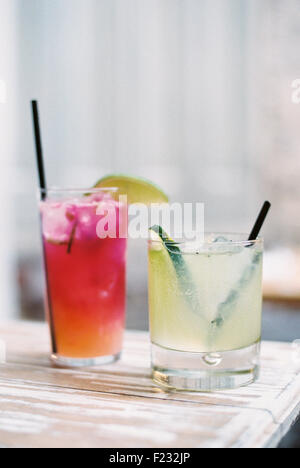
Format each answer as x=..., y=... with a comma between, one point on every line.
x=205, y=303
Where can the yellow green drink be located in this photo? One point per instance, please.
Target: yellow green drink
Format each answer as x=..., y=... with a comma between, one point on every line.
x=205, y=303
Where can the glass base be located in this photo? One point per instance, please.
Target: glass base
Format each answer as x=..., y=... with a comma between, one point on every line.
x=62, y=361
x=205, y=372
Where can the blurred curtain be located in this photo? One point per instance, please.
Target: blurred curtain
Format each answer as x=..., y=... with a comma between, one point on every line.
x=274, y=120
x=151, y=87
x=8, y=150
x=194, y=94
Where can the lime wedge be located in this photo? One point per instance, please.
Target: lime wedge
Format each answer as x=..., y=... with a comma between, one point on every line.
x=137, y=190
x=164, y=289
x=171, y=247
x=183, y=274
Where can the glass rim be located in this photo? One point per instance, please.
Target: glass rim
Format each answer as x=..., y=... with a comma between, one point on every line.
x=196, y=243
x=70, y=190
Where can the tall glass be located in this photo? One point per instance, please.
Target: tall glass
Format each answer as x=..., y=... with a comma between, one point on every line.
x=205, y=304
x=85, y=275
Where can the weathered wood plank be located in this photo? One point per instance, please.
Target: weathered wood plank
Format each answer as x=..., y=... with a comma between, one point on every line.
x=37, y=415
x=120, y=406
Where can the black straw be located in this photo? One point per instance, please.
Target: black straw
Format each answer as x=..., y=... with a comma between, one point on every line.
x=39, y=148
x=260, y=221
x=43, y=187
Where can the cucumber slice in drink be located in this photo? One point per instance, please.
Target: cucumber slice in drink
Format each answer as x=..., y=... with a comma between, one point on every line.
x=183, y=275
x=226, y=307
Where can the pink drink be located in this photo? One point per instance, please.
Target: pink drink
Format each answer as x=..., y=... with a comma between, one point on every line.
x=86, y=278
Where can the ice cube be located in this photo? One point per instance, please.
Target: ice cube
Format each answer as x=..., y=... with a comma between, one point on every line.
x=58, y=220
x=221, y=239
x=226, y=245
x=90, y=215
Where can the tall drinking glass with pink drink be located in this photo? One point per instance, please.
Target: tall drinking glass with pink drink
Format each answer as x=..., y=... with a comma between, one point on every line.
x=85, y=274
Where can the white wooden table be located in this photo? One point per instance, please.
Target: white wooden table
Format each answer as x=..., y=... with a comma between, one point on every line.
x=119, y=406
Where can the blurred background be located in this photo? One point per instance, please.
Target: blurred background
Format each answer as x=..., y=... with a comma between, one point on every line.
x=194, y=94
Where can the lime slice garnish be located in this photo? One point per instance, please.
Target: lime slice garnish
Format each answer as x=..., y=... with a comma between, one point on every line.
x=171, y=252
x=171, y=247
x=137, y=190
